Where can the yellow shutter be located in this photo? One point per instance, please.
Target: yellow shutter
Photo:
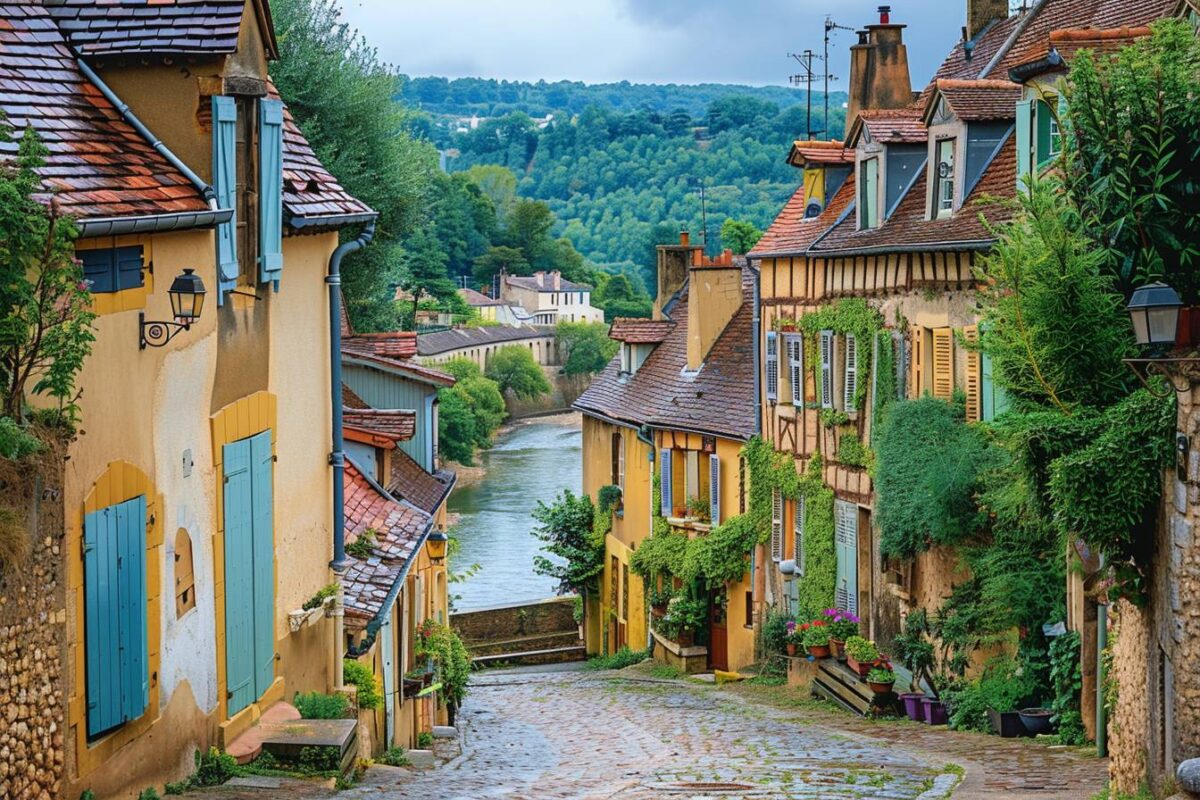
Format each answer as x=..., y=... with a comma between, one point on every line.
x=943, y=363
x=974, y=406
x=917, y=362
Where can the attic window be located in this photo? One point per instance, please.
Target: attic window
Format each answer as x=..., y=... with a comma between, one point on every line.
x=868, y=195
x=626, y=358
x=944, y=177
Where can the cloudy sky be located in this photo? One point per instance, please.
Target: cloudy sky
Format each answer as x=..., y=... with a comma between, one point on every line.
x=655, y=41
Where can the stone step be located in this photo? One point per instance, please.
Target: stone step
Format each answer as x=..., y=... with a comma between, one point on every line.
x=556, y=655
x=286, y=740
x=248, y=746
x=521, y=644
x=835, y=681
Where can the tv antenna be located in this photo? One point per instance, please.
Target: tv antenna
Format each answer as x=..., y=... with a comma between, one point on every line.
x=699, y=184
x=830, y=27
x=806, y=78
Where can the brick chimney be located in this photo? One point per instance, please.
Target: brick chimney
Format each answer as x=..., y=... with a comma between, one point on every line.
x=540, y=278
x=879, y=76
x=673, y=263
x=556, y=280
x=981, y=13
x=714, y=296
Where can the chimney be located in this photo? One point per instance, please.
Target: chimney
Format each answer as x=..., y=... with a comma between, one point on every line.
x=714, y=296
x=981, y=13
x=673, y=262
x=556, y=278
x=879, y=76
x=540, y=277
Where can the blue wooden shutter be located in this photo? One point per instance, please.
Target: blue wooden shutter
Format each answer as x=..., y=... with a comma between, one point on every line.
x=135, y=663
x=1044, y=118
x=1024, y=141
x=714, y=489
x=261, y=468
x=225, y=185
x=270, y=190
x=664, y=481
x=239, y=576
x=99, y=270
x=128, y=267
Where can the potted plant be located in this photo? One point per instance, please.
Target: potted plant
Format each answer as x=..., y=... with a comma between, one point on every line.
x=698, y=508
x=934, y=711
x=795, y=638
x=684, y=616
x=917, y=654
x=861, y=655
x=1037, y=720
x=842, y=625
x=816, y=639
x=788, y=325
x=881, y=679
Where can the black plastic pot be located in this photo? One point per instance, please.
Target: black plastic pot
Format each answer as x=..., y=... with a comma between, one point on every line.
x=1036, y=720
x=1006, y=724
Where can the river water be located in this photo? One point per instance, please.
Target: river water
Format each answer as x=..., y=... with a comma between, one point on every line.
x=534, y=461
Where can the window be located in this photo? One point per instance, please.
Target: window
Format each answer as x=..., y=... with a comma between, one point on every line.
x=776, y=525
x=185, y=581
x=1055, y=138
x=798, y=521
x=749, y=609
x=665, y=478
x=714, y=489
x=850, y=382
x=618, y=460
x=113, y=269
x=794, y=346
x=868, y=195
x=1049, y=138
x=944, y=179
x=828, y=356
x=772, y=366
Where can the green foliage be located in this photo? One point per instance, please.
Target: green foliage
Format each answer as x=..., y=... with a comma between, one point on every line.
x=852, y=315
x=817, y=636
x=176, y=787
x=461, y=368
x=1053, y=327
x=149, y=793
x=861, y=649
x=621, y=296
x=323, y=594
x=213, y=768
x=424, y=740
x=469, y=412
x=514, y=369
x=450, y=658
x=567, y=529
x=852, y=452
x=87, y=794
x=341, y=96
x=585, y=346
x=930, y=464
x=739, y=236
x=315, y=705
x=358, y=674
x=684, y=615
x=364, y=545
x=45, y=306
x=886, y=388
x=394, y=757
x=456, y=427
x=914, y=648
x=1003, y=686
x=16, y=441
x=775, y=632
x=1132, y=154
x=1066, y=680
x=619, y=660
x=881, y=675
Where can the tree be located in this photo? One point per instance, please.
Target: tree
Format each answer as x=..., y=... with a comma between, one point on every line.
x=498, y=184
x=619, y=298
x=486, y=404
x=46, y=328
x=739, y=236
x=586, y=346
x=514, y=370
x=497, y=259
x=578, y=554
x=456, y=427
x=528, y=230
x=425, y=269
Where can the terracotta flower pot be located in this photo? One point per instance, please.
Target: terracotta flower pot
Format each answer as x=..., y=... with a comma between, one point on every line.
x=881, y=688
x=791, y=649
x=859, y=667
x=838, y=648
x=819, y=651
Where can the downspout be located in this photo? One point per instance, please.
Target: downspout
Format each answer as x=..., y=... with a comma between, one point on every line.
x=757, y=321
x=337, y=455
x=1101, y=645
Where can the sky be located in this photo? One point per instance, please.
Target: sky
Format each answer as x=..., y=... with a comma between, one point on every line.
x=641, y=41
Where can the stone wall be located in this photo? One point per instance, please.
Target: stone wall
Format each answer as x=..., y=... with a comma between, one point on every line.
x=512, y=621
x=1129, y=723
x=33, y=653
x=564, y=390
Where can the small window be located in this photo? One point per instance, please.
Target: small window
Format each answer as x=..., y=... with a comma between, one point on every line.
x=185, y=582
x=1055, y=138
x=868, y=200
x=749, y=609
x=112, y=269
x=944, y=200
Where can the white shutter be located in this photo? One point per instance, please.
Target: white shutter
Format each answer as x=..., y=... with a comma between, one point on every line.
x=795, y=357
x=772, y=366
x=798, y=523
x=664, y=481
x=621, y=464
x=828, y=352
x=850, y=384
x=714, y=488
x=776, y=526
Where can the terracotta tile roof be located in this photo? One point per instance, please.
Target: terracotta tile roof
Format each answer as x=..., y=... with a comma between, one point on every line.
x=792, y=234
x=640, y=331
x=380, y=427
x=986, y=45
x=1056, y=51
x=149, y=27
x=438, y=342
x=97, y=164
x=477, y=299
x=397, y=344
x=908, y=228
x=718, y=401
x=889, y=126
x=409, y=481
x=406, y=367
x=805, y=151
x=546, y=285
x=975, y=100
x=312, y=197
x=399, y=528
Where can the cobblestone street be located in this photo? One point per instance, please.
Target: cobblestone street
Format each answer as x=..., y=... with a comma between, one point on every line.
x=585, y=735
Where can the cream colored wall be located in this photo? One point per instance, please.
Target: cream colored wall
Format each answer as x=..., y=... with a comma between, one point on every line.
x=714, y=296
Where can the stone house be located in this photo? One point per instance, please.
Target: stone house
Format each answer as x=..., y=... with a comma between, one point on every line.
x=197, y=509
x=675, y=405
x=548, y=299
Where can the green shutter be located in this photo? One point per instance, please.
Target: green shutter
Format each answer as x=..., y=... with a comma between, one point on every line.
x=225, y=186
x=261, y=468
x=270, y=191
x=239, y=576
x=1044, y=118
x=1024, y=142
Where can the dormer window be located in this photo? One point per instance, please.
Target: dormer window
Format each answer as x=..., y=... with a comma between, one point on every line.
x=626, y=358
x=868, y=195
x=944, y=177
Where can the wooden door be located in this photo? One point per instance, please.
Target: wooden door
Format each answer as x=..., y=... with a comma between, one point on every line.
x=718, y=632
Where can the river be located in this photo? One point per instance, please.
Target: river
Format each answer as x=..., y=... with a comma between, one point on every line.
x=535, y=460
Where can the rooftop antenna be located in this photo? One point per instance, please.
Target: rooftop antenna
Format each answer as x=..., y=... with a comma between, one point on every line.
x=807, y=77
x=699, y=182
x=830, y=27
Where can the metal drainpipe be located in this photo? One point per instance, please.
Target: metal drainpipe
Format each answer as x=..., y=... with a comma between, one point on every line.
x=1101, y=644
x=757, y=321
x=337, y=455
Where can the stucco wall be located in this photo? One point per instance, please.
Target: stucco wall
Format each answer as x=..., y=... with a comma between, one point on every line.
x=1129, y=721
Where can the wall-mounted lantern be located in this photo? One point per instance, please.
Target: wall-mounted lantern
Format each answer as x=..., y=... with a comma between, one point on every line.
x=436, y=544
x=187, y=302
x=1154, y=309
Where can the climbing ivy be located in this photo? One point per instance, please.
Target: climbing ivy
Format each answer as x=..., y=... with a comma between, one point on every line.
x=886, y=389
x=851, y=315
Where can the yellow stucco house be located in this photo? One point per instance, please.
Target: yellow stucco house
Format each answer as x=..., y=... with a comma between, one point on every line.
x=675, y=407
x=199, y=504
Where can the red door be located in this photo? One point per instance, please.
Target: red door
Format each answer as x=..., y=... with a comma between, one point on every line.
x=718, y=638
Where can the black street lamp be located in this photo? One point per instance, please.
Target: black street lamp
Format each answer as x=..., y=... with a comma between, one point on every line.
x=187, y=302
x=1154, y=309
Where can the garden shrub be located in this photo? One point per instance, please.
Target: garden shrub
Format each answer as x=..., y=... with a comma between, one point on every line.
x=315, y=705
x=363, y=677
x=1067, y=681
x=619, y=660
x=394, y=757
x=1002, y=686
x=213, y=768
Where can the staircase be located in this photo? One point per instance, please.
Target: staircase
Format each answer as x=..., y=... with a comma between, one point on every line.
x=282, y=733
x=840, y=684
x=549, y=648
x=538, y=632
